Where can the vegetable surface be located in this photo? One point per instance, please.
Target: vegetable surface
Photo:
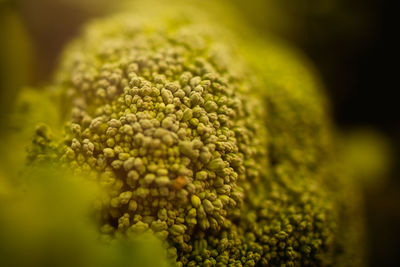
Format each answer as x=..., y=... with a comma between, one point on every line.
x=225, y=152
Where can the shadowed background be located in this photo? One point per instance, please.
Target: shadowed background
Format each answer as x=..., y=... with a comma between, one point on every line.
x=345, y=39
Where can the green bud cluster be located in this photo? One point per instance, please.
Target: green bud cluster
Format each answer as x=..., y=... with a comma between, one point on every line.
x=192, y=147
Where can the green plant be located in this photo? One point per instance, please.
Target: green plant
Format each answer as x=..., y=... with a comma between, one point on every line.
x=220, y=147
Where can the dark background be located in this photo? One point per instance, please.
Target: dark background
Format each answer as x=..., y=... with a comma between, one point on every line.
x=358, y=66
x=360, y=73
x=350, y=43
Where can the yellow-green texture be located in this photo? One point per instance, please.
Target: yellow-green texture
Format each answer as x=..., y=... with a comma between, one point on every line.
x=44, y=221
x=220, y=146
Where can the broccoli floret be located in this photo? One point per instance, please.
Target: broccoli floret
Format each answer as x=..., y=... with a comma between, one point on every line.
x=226, y=164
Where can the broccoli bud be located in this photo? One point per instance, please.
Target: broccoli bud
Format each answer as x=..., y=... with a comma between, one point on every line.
x=194, y=146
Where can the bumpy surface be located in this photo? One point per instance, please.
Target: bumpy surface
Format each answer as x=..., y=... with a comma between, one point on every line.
x=192, y=146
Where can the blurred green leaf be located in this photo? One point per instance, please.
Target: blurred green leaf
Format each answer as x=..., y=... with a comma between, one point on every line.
x=16, y=59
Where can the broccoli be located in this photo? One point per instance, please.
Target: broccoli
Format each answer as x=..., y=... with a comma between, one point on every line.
x=224, y=152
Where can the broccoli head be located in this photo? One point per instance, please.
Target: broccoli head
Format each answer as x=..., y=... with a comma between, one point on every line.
x=221, y=148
